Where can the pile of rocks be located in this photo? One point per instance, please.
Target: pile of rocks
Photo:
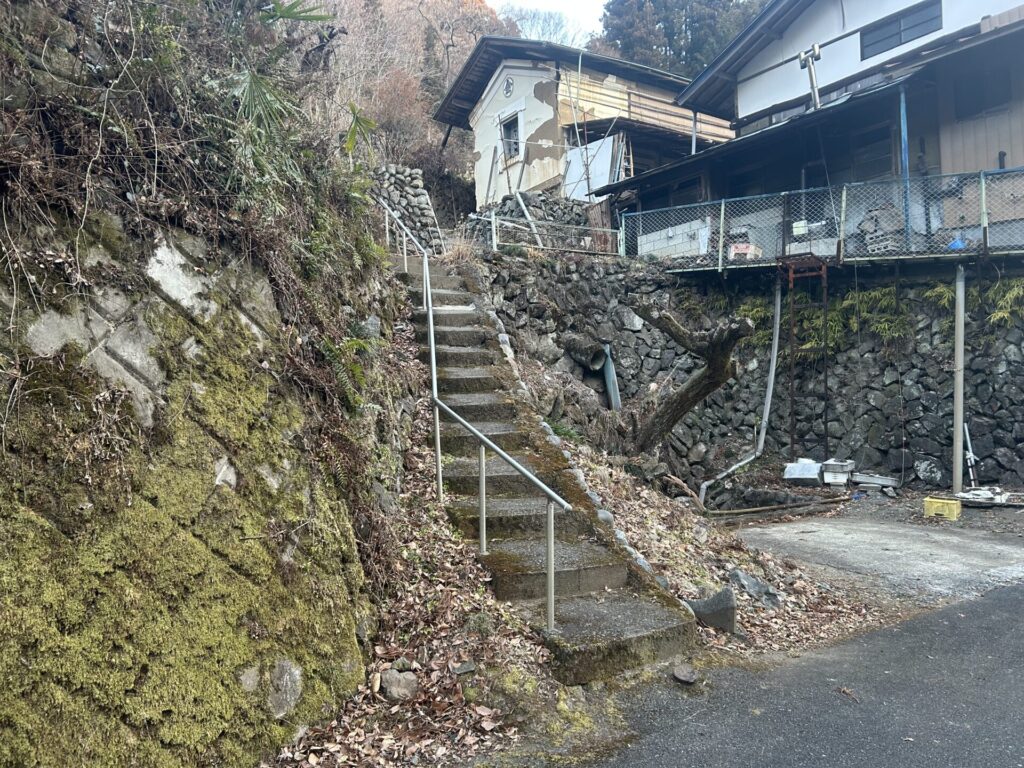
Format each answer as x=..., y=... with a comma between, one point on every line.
x=402, y=188
x=543, y=206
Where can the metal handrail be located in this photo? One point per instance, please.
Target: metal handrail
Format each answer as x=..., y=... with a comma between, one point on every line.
x=484, y=442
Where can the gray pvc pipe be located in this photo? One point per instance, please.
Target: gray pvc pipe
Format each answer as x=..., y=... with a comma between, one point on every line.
x=766, y=412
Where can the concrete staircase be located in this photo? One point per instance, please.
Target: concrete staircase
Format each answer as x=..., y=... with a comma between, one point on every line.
x=610, y=615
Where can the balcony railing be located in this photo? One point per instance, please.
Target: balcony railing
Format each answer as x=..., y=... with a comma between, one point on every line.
x=931, y=216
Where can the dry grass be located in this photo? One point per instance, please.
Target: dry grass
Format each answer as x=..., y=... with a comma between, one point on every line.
x=695, y=557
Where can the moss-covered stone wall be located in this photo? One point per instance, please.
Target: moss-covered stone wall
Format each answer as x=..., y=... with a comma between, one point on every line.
x=180, y=582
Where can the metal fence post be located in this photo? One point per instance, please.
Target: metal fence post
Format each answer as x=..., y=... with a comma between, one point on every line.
x=842, y=226
x=983, y=195
x=551, y=566
x=494, y=231
x=622, y=236
x=721, y=239
x=483, y=499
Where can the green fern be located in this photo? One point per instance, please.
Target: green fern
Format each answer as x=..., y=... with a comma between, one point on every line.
x=349, y=372
x=941, y=295
x=1007, y=296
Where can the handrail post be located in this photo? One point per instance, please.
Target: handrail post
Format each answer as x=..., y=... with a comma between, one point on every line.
x=437, y=455
x=721, y=239
x=551, y=566
x=483, y=499
x=983, y=195
x=842, y=226
x=426, y=284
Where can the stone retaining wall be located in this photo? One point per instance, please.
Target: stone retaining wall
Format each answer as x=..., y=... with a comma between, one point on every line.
x=890, y=404
x=402, y=188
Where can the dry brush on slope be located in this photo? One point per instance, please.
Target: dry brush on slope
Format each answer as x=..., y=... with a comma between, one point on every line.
x=198, y=391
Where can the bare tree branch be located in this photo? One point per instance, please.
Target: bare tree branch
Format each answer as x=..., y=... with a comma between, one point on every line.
x=715, y=346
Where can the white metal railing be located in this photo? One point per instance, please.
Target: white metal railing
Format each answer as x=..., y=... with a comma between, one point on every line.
x=923, y=216
x=485, y=443
x=553, y=236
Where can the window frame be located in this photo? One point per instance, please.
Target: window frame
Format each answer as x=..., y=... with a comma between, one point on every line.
x=516, y=119
x=900, y=34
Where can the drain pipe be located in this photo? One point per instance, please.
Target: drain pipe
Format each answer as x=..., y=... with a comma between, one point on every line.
x=769, y=390
x=611, y=382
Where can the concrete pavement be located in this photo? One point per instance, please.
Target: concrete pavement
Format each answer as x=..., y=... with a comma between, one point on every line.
x=928, y=561
x=945, y=689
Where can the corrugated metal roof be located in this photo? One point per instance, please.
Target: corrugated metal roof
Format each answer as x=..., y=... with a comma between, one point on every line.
x=724, y=150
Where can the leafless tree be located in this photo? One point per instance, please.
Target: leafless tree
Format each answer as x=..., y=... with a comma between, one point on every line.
x=539, y=24
x=644, y=427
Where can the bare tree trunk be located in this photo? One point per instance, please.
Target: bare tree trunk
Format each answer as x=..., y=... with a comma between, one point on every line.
x=715, y=347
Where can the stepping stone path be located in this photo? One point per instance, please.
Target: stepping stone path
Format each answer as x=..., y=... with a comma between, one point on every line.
x=609, y=615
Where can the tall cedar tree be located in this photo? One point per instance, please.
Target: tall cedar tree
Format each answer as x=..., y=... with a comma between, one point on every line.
x=682, y=36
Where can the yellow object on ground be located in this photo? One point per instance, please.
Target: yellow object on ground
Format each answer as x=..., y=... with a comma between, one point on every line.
x=946, y=508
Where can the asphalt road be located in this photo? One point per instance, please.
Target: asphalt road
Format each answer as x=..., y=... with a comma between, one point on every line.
x=944, y=690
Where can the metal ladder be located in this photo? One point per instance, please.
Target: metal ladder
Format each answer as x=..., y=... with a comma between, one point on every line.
x=806, y=268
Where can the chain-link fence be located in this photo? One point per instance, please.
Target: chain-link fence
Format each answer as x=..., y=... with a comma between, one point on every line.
x=1004, y=204
x=549, y=235
x=901, y=218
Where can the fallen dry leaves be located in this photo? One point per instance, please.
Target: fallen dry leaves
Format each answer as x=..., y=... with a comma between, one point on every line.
x=695, y=557
x=440, y=617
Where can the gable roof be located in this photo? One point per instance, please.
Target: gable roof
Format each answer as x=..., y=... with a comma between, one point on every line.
x=492, y=50
x=713, y=90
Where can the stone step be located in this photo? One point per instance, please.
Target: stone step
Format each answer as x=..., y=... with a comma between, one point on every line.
x=456, y=315
x=457, y=441
x=600, y=635
x=456, y=335
x=507, y=515
x=462, y=476
x=414, y=279
x=460, y=357
x=442, y=297
x=480, y=406
x=518, y=568
x=452, y=380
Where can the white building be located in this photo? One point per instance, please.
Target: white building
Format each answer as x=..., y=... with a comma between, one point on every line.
x=545, y=116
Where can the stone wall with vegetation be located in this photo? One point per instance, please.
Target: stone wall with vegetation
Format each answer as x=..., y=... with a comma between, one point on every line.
x=890, y=377
x=203, y=422
x=181, y=576
x=401, y=188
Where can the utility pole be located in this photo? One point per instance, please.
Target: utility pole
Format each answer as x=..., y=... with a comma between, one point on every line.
x=958, y=383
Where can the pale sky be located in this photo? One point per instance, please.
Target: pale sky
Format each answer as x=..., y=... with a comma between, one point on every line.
x=585, y=14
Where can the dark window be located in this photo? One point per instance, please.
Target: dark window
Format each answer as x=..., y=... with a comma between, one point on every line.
x=980, y=93
x=747, y=183
x=872, y=154
x=510, y=137
x=896, y=30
